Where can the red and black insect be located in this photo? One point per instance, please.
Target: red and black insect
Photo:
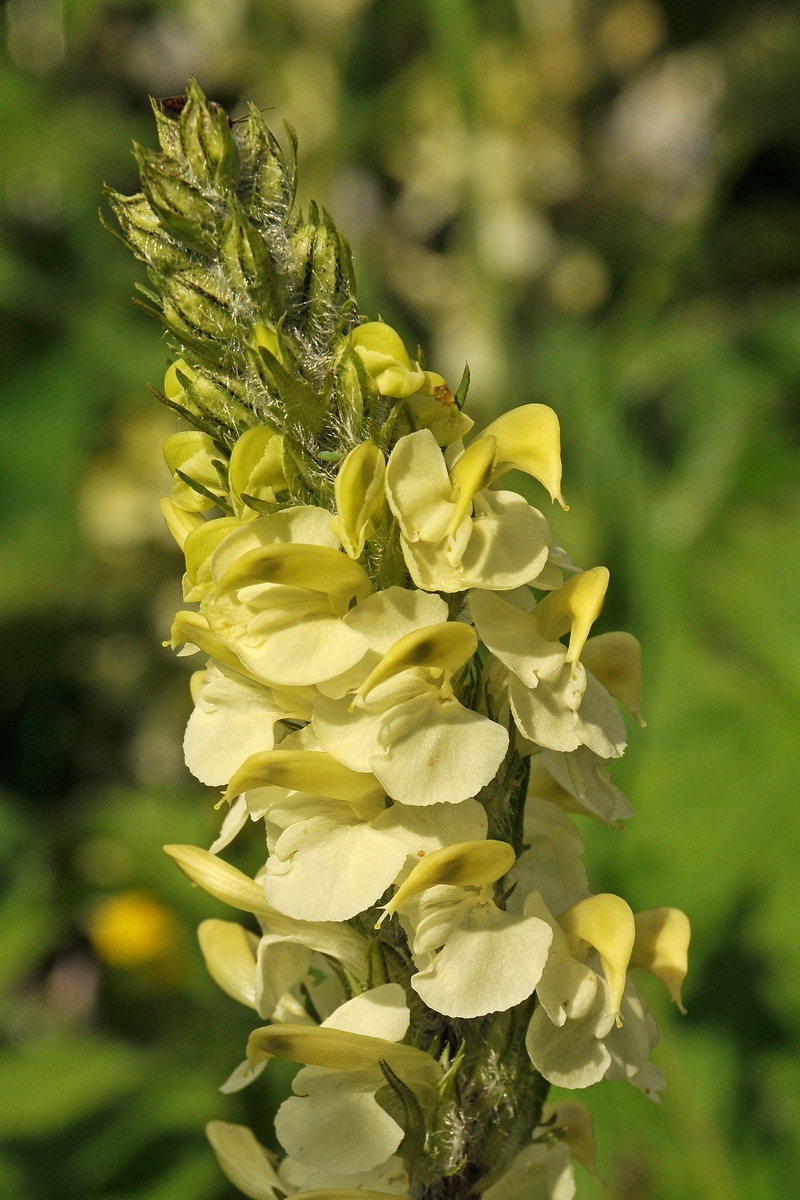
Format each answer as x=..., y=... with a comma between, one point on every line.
x=173, y=106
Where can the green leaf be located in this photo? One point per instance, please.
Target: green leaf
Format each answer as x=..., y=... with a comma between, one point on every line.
x=50, y=1084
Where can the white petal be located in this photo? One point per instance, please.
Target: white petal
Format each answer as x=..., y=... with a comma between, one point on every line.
x=349, y=736
x=231, y=721
x=305, y=524
x=567, y=988
x=602, y=727
x=418, y=486
x=574, y=1055
x=434, y=916
x=381, y=1012
x=243, y=1159
x=281, y=963
x=235, y=820
x=547, y=715
x=444, y=760
x=389, y=1177
x=492, y=962
x=630, y=1044
x=242, y=1076
x=328, y=870
x=513, y=637
x=540, y=1172
x=552, y=864
x=304, y=653
x=334, y=939
x=507, y=547
x=581, y=774
x=422, y=830
x=387, y=616
x=339, y=1126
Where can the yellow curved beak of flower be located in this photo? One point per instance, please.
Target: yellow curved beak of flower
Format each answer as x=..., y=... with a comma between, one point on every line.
x=605, y=922
x=467, y=864
x=528, y=439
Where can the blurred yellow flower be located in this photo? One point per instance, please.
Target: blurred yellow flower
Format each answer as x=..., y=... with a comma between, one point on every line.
x=132, y=928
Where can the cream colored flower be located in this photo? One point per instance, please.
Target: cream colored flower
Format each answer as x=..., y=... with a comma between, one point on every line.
x=360, y=496
x=456, y=534
x=577, y=782
x=327, y=864
x=552, y=864
x=472, y=957
x=335, y=846
x=406, y=726
x=281, y=589
x=555, y=701
x=255, y=471
x=232, y=719
x=542, y=1171
x=333, y=1122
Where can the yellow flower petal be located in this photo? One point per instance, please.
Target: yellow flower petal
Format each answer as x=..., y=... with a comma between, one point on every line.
x=529, y=439
x=662, y=947
x=605, y=922
x=616, y=660
x=573, y=608
x=465, y=864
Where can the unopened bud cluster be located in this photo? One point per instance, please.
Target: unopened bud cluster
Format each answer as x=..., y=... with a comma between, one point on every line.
x=386, y=689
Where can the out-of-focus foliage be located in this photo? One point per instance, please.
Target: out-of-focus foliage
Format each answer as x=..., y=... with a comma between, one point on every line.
x=597, y=204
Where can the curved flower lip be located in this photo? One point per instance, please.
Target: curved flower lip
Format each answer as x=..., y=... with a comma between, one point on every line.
x=529, y=438
x=465, y=864
x=344, y=1051
x=662, y=947
x=606, y=922
x=192, y=629
x=499, y=542
x=296, y=564
x=309, y=771
x=445, y=647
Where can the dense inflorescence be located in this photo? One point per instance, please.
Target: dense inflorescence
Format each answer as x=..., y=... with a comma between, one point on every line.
x=388, y=689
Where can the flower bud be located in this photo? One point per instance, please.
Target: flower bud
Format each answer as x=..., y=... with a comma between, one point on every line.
x=529, y=439
x=192, y=454
x=342, y=1051
x=386, y=359
x=605, y=922
x=360, y=496
x=180, y=523
x=219, y=879
x=444, y=647
x=230, y=952
x=310, y=771
x=173, y=388
x=662, y=947
x=573, y=608
x=256, y=468
x=466, y=864
x=615, y=659
x=198, y=549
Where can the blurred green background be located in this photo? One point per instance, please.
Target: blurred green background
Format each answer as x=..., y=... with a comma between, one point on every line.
x=596, y=203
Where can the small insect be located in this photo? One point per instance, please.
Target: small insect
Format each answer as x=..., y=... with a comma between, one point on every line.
x=173, y=106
